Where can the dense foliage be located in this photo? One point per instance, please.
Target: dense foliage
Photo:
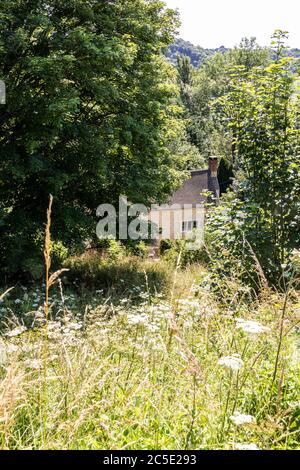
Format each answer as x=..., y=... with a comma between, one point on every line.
x=94, y=111
x=261, y=110
x=91, y=114
x=243, y=105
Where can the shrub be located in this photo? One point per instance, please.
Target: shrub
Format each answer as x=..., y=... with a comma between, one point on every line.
x=239, y=247
x=141, y=250
x=165, y=245
x=112, y=248
x=171, y=249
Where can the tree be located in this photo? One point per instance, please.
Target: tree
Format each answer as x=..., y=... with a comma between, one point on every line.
x=90, y=101
x=200, y=91
x=263, y=111
x=211, y=82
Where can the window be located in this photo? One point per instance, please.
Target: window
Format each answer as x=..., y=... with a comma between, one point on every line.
x=189, y=225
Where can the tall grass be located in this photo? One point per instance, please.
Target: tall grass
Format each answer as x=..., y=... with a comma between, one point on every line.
x=157, y=366
x=149, y=375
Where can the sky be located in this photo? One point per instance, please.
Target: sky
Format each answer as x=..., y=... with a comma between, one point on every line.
x=215, y=23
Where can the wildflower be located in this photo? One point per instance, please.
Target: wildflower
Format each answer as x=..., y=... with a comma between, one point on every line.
x=144, y=295
x=18, y=301
x=238, y=419
x=29, y=348
x=252, y=327
x=12, y=348
x=75, y=326
x=233, y=362
x=246, y=447
x=53, y=325
x=16, y=331
x=3, y=353
x=35, y=364
x=153, y=328
x=53, y=357
x=39, y=314
x=189, y=303
x=296, y=256
x=137, y=319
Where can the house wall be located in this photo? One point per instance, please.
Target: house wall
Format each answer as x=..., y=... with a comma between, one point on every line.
x=167, y=222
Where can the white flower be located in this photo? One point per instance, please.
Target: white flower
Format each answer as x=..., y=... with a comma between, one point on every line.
x=16, y=331
x=296, y=256
x=234, y=362
x=239, y=419
x=252, y=327
x=18, y=301
x=189, y=303
x=35, y=364
x=53, y=325
x=75, y=326
x=144, y=295
x=12, y=348
x=246, y=447
x=137, y=319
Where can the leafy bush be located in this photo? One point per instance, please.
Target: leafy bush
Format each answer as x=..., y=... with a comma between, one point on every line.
x=241, y=248
x=170, y=250
x=112, y=248
x=230, y=240
x=141, y=250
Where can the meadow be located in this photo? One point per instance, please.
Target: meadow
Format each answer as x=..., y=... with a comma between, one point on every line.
x=146, y=364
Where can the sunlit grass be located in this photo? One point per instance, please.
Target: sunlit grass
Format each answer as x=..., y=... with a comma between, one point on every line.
x=150, y=371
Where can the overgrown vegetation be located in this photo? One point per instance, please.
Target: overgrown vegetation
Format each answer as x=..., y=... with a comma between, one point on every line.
x=244, y=106
x=102, y=346
x=141, y=370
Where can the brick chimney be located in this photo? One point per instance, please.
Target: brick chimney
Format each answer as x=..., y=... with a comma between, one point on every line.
x=213, y=166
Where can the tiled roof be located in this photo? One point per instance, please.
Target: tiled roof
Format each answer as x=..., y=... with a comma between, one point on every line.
x=190, y=192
